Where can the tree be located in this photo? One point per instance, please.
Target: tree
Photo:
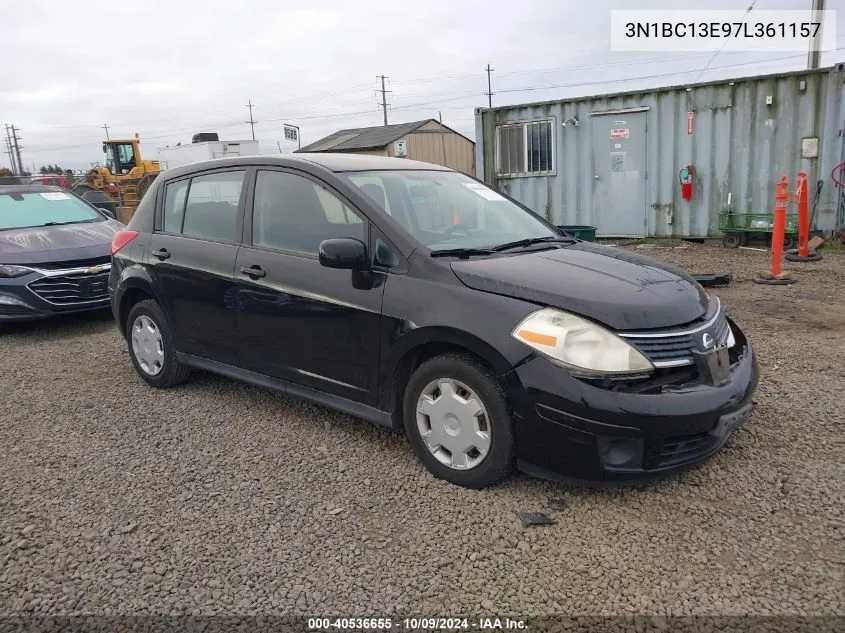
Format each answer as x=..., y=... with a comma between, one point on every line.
x=43, y=170
x=5, y=171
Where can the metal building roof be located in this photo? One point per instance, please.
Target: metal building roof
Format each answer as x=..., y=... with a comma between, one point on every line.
x=363, y=138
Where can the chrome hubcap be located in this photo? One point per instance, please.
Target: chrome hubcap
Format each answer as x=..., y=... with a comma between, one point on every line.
x=147, y=345
x=453, y=424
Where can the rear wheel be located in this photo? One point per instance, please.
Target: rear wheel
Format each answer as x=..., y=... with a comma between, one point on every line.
x=733, y=240
x=151, y=348
x=459, y=422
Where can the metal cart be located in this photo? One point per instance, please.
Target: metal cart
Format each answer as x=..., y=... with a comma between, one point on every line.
x=739, y=227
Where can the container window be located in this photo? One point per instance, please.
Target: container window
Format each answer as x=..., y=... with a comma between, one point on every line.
x=525, y=148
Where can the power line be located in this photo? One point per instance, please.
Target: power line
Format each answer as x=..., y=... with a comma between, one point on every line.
x=165, y=134
x=383, y=96
x=352, y=89
x=251, y=122
x=716, y=54
x=656, y=76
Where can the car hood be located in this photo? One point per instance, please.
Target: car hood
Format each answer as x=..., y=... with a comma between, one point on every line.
x=620, y=289
x=43, y=244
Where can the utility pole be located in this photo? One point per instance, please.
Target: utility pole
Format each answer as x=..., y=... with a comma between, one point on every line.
x=251, y=121
x=279, y=145
x=383, y=92
x=16, y=141
x=489, y=92
x=106, y=128
x=10, y=151
x=815, y=54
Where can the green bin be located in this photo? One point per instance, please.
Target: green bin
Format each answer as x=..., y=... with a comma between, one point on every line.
x=586, y=233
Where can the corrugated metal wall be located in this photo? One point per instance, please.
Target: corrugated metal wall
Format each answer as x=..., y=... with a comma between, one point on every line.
x=428, y=144
x=740, y=146
x=425, y=144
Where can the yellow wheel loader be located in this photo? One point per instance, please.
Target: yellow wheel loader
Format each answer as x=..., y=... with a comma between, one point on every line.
x=125, y=176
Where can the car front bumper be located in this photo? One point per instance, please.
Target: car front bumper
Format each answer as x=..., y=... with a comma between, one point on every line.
x=38, y=296
x=568, y=429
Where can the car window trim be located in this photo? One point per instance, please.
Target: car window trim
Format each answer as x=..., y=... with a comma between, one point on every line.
x=161, y=201
x=239, y=214
x=247, y=236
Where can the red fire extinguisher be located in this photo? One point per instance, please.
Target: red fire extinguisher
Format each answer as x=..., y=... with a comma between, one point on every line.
x=685, y=176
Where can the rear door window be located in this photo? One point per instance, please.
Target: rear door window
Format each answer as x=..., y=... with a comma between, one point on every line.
x=211, y=208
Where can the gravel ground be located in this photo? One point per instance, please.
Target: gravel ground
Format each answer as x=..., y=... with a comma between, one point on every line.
x=218, y=497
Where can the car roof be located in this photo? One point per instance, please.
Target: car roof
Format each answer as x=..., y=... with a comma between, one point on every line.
x=335, y=162
x=29, y=189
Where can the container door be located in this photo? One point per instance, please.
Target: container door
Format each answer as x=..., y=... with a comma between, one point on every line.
x=619, y=173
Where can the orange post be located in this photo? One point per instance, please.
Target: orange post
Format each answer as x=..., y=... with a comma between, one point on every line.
x=779, y=227
x=803, y=216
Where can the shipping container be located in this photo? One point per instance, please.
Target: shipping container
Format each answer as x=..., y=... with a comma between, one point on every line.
x=616, y=161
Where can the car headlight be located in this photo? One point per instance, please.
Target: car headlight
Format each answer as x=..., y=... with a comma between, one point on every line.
x=580, y=345
x=8, y=270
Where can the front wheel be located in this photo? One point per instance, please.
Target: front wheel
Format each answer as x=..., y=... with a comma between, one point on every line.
x=459, y=422
x=151, y=346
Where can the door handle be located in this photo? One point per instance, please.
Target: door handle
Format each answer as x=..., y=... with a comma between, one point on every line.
x=161, y=254
x=254, y=271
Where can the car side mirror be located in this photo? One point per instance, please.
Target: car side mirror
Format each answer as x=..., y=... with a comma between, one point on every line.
x=344, y=253
x=107, y=212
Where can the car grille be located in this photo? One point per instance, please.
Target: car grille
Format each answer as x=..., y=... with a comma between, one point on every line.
x=675, y=348
x=76, y=263
x=72, y=289
x=13, y=310
x=676, y=450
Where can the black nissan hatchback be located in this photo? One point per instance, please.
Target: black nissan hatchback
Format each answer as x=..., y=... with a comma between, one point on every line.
x=418, y=298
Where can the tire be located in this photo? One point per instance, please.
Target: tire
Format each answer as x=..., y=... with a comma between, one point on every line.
x=462, y=372
x=788, y=242
x=732, y=240
x=170, y=372
x=793, y=256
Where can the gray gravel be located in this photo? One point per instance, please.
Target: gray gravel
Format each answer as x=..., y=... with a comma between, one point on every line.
x=218, y=497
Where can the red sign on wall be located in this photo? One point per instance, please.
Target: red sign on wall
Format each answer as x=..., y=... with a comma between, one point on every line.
x=690, y=123
x=619, y=133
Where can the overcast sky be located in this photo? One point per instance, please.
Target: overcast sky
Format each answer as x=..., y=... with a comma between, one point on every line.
x=168, y=69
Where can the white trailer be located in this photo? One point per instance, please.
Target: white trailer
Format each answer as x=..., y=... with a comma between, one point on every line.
x=178, y=155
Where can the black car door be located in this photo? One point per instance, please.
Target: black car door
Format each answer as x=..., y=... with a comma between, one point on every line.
x=192, y=260
x=297, y=320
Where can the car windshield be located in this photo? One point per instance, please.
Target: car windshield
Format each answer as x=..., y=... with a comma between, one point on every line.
x=27, y=210
x=447, y=210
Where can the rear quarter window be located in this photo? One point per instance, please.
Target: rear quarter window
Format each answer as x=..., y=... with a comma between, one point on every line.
x=174, y=206
x=211, y=209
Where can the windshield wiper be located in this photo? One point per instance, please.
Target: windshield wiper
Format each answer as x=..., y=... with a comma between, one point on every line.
x=462, y=252
x=63, y=223
x=531, y=241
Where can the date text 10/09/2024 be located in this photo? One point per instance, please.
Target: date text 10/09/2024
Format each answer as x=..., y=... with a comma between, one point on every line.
x=413, y=624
